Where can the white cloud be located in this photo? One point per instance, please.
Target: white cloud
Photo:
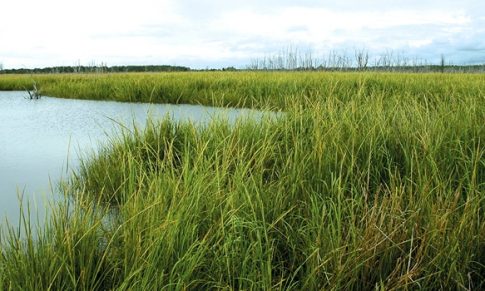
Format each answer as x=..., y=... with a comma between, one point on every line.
x=217, y=32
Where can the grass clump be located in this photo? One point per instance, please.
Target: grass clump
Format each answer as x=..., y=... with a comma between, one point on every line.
x=364, y=190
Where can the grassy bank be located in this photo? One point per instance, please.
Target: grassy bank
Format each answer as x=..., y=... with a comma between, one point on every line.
x=248, y=89
x=369, y=181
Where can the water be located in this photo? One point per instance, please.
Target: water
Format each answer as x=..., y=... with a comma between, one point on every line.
x=41, y=140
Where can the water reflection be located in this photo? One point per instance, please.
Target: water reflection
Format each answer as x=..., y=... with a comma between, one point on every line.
x=41, y=140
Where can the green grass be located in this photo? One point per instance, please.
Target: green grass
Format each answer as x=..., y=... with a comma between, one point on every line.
x=250, y=89
x=369, y=181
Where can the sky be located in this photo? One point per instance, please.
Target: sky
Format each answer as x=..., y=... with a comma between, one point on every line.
x=221, y=33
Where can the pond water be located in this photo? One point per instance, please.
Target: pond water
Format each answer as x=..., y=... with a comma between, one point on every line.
x=41, y=140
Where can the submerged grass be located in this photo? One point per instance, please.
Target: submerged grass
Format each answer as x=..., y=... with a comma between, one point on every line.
x=376, y=184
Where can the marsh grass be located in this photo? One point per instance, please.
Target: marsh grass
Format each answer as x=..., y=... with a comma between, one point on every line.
x=375, y=184
x=266, y=90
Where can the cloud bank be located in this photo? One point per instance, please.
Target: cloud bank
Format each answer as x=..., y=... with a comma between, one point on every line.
x=218, y=33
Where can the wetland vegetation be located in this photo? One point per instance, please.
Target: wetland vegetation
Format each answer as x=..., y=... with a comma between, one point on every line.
x=368, y=181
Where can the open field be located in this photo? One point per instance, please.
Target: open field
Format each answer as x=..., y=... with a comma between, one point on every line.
x=369, y=180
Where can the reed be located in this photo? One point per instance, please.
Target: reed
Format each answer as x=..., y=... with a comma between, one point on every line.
x=368, y=181
x=269, y=90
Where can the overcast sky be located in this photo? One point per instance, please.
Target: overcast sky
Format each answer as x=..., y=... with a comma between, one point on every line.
x=218, y=33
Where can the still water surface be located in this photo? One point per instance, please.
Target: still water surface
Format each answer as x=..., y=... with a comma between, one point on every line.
x=41, y=140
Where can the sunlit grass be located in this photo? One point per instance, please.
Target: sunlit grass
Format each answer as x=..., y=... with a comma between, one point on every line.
x=250, y=89
x=368, y=181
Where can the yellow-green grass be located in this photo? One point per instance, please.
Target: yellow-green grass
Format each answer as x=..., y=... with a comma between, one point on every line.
x=249, y=89
x=369, y=181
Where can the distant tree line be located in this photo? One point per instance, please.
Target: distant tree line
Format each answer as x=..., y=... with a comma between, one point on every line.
x=290, y=59
x=360, y=60
x=96, y=69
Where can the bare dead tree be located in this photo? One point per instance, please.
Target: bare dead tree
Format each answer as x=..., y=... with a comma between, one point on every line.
x=442, y=63
x=362, y=59
x=35, y=93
